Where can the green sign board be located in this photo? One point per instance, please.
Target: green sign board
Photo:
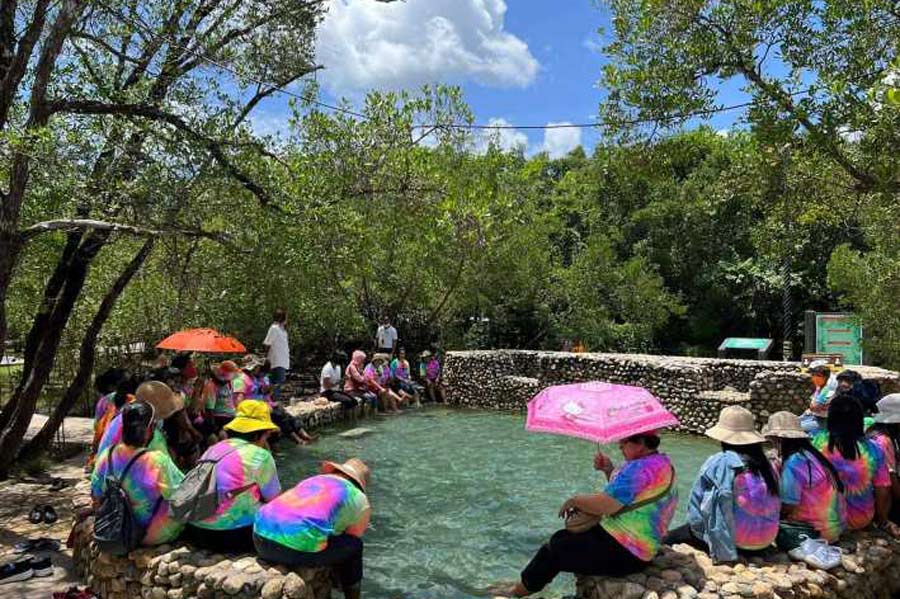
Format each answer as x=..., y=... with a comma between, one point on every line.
x=839, y=334
x=745, y=343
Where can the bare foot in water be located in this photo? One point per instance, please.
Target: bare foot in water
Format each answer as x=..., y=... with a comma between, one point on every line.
x=507, y=589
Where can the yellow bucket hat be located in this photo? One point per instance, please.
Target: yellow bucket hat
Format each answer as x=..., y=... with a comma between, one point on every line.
x=252, y=415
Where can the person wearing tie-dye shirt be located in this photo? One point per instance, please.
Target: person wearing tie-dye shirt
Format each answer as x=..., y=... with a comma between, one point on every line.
x=245, y=478
x=319, y=523
x=634, y=511
x=734, y=504
x=812, y=493
x=886, y=434
x=150, y=482
x=859, y=462
x=166, y=404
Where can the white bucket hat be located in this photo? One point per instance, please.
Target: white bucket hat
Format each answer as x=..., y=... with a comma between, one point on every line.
x=888, y=409
x=784, y=425
x=735, y=427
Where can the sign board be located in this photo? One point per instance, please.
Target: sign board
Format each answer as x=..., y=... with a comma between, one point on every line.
x=839, y=334
x=834, y=361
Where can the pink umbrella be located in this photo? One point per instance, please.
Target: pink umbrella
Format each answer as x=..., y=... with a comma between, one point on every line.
x=596, y=411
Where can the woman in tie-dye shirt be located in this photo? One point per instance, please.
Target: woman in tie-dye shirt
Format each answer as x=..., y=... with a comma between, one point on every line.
x=319, y=523
x=734, y=502
x=149, y=483
x=811, y=490
x=634, y=509
x=886, y=434
x=245, y=478
x=859, y=461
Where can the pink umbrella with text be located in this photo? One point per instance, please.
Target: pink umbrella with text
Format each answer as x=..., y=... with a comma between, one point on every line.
x=596, y=411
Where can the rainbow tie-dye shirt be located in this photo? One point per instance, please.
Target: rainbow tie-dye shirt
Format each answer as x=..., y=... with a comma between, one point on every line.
x=860, y=477
x=113, y=435
x=641, y=530
x=806, y=484
x=756, y=512
x=319, y=507
x=245, y=478
x=149, y=484
x=884, y=442
x=400, y=369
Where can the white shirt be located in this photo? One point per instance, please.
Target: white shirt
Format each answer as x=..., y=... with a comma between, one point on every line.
x=330, y=371
x=277, y=340
x=386, y=336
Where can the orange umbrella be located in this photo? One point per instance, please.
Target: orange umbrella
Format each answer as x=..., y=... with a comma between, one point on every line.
x=208, y=341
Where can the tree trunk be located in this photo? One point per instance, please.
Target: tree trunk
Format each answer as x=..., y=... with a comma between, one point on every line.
x=10, y=247
x=30, y=389
x=41, y=441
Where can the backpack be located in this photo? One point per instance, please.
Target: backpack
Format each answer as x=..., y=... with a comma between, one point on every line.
x=116, y=529
x=197, y=497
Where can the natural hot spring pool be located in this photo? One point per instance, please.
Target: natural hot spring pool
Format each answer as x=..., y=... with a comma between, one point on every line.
x=462, y=499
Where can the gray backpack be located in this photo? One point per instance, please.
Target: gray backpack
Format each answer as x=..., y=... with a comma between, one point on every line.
x=197, y=497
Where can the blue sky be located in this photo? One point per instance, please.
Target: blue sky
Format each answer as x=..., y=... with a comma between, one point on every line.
x=520, y=62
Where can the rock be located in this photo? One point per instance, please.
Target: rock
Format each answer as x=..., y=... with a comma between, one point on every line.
x=157, y=593
x=650, y=595
x=631, y=590
x=272, y=588
x=671, y=575
x=233, y=584
x=294, y=587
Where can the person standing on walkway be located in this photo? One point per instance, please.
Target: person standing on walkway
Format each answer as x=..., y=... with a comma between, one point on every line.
x=277, y=351
x=386, y=337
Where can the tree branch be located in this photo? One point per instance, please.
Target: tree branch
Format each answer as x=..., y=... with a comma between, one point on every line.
x=82, y=224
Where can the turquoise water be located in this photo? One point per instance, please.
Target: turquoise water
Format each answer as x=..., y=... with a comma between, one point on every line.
x=463, y=499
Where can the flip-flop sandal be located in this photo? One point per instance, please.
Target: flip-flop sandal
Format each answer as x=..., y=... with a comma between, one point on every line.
x=50, y=515
x=42, y=544
x=37, y=514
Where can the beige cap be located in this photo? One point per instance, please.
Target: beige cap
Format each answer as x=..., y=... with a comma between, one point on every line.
x=354, y=468
x=735, y=427
x=784, y=425
x=165, y=402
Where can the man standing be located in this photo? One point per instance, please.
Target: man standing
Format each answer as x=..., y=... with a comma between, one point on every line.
x=386, y=337
x=277, y=351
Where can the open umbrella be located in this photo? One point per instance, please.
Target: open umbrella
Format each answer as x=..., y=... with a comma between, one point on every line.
x=208, y=341
x=596, y=411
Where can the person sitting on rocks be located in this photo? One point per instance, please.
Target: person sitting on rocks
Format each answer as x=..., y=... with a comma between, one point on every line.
x=150, y=482
x=165, y=403
x=825, y=384
x=330, y=385
x=115, y=401
x=620, y=529
x=860, y=462
x=812, y=493
x=886, y=434
x=401, y=377
x=319, y=523
x=245, y=476
x=355, y=383
x=218, y=397
x=734, y=504
x=430, y=372
x=388, y=400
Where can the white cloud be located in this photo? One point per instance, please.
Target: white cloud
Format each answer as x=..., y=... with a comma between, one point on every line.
x=505, y=139
x=365, y=44
x=559, y=142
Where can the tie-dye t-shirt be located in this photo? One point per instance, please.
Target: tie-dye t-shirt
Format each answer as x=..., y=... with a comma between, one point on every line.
x=806, y=484
x=433, y=369
x=245, y=465
x=113, y=435
x=860, y=477
x=884, y=442
x=218, y=399
x=641, y=531
x=304, y=517
x=149, y=484
x=756, y=512
x=102, y=405
x=400, y=369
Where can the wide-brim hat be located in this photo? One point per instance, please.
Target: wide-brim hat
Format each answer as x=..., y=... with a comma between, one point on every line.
x=381, y=356
x=425, y=354
x=165, y=402
x=735, y=427
x=888, y=409
x=354, y=468
x=249, y=362
x=784, y=425
x=252, y=416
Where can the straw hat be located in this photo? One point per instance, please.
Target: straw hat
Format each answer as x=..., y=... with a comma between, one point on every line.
x=252, y=415
x=381, y=357
x=354, y=468
x=784, y=425
x=249, y=362
x=888, y=409
x=165, y=402
x=735, y=427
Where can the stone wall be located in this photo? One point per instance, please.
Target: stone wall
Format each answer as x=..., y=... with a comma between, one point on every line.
x=182, y=572
x=870, y=569
x=694, y=389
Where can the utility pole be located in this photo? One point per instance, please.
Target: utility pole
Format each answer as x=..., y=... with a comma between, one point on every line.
x=787, y=301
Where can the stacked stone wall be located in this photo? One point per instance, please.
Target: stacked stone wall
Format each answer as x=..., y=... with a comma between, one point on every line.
x=694, y=389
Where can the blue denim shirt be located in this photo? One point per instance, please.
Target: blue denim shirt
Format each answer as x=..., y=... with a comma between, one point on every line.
x=711, y=507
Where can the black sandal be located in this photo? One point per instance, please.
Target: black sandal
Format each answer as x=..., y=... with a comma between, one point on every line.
x=50, y=515
x=37, y=514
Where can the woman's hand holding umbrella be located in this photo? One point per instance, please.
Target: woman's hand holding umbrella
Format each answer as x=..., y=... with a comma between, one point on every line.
x=603, y=463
